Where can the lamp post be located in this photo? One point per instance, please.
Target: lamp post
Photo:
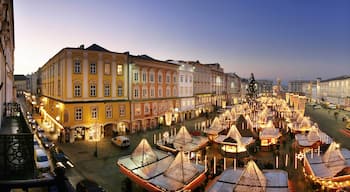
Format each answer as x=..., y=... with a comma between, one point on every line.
x=95, y=153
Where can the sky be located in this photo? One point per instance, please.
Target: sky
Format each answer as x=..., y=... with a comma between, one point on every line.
x=286, y=39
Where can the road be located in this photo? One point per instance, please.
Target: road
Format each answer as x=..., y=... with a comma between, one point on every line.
x=331, y=125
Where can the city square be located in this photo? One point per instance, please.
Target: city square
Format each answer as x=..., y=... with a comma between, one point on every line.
x=234, y=96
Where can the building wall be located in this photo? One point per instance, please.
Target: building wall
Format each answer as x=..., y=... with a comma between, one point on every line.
x=80, y=90
x=154, y=87
x=6, y=54
x=335, y=90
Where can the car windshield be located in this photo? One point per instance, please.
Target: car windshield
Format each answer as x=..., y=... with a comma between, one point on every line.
x=42, y=158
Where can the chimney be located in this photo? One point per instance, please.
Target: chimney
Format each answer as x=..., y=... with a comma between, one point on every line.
x=81, y=46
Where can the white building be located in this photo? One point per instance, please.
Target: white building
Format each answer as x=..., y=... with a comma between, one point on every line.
x=336, y=90
x=185, y=90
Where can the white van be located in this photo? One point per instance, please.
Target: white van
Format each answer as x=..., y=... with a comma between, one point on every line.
x=41, y=160
x=121, y=141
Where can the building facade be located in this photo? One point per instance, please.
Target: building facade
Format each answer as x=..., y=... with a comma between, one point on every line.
x=233, y=88
x=153, y=92
x=7, y=45
x=83, y=93
x=202, y=89
x=298, y=86
x=265, y=87
x=335, y=90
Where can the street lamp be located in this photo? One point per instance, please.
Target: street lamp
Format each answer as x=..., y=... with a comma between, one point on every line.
x=95, y=153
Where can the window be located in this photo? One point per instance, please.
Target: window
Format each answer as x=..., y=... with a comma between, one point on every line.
x=122, y=110
x=175, y=92
x=152, y=92
x=107, y=90
x=174, y=78
x=107, y=68
x=93, y=68
x=160, y=92
x=93, y=90
x=78, y=113
x=136, y=76
x=77, y=67
x=108, y=111
x=146, y=109
x=151, y=77
x=168, y=92
x=59, y=87
x=144, y=92
x=77, y=90
x=93, y=112
x=119, y=69
x=190, y=79
x=58, y=69
x=120, y=90
x=186, y=79
x=168, y=78
x=136, y=93
x=181, y=78
x=160, y=77
x=144, y=77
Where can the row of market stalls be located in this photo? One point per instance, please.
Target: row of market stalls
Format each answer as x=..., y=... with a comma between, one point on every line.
x=180, y=164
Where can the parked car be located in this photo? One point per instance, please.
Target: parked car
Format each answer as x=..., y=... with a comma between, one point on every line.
x=317, y=107
x=41, y=160
x=36, y=143
x=47, y=142
x=121, y=141
x=332, y=106
x=88, y=185
x=59, y=158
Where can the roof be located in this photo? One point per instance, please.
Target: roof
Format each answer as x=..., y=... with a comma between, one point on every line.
x=20, y=77
x=251, y=178
x=331, y=163
x=95, y=47
x=337, y=78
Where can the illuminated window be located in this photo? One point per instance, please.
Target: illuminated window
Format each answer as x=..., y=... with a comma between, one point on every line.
x=108, y=111
x=78, y=113
x=93, y=112
x=122, y=110
x=119, y=69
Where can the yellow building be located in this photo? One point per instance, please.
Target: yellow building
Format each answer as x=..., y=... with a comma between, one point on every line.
x=84, y=93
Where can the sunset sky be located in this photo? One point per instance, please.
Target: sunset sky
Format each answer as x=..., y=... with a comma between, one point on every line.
x=287, y=39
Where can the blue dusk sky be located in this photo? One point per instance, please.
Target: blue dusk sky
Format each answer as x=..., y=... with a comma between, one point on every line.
x=286, y=39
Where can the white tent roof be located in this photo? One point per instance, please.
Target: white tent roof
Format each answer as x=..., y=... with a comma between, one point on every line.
x=183, y=136
x=215, y=127
x=143, y=154
x=180, y=173
x=269, y=131
x=333, y=156
x=146, y=162
x=181, y=169
x=252, y=179
x=332, y=162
